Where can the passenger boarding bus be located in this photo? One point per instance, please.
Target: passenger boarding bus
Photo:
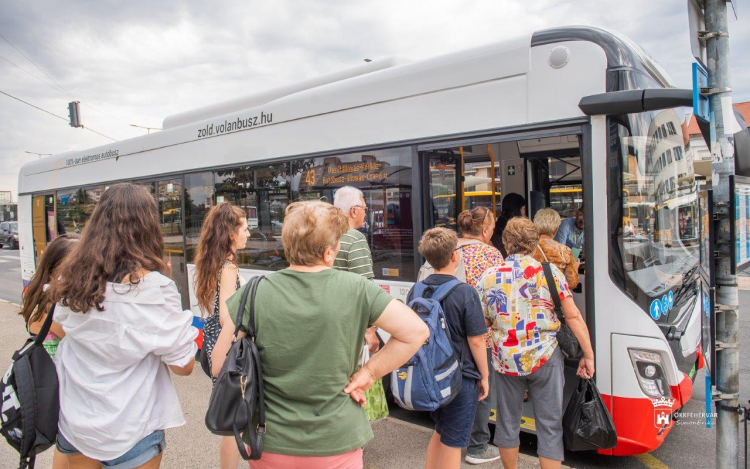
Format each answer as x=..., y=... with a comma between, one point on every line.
x=533, y=115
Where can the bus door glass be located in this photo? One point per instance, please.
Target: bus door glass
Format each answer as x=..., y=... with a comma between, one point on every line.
x=44, y=222
x=463, y=178
x=169, y=199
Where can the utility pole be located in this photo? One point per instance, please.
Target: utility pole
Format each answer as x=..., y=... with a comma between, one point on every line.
x=716, y=38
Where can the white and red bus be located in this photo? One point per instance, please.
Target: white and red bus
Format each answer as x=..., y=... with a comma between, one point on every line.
x=536, y=115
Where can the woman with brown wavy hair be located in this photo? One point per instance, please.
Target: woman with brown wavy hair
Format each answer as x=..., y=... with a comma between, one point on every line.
x=217, y=277
x=124, y=330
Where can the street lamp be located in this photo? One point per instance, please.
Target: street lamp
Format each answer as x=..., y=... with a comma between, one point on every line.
x=149, y=129
x=38, y=154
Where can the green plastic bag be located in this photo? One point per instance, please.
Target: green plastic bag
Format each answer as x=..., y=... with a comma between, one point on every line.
x=376, y=407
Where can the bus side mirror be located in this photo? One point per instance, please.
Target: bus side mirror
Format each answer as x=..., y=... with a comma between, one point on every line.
x=633, y=101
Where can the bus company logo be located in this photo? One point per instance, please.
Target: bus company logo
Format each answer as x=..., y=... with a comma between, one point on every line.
x=662, y=411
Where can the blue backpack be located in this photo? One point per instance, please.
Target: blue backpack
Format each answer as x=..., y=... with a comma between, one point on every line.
x=432, y=377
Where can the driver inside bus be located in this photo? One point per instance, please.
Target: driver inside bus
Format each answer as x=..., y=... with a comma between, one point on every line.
x=571, y=232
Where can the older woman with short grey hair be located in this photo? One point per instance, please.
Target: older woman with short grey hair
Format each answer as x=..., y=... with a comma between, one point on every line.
x=548, y=221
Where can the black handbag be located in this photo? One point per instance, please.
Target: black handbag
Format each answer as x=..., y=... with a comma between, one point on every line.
x=237, y=396
x=566, y=340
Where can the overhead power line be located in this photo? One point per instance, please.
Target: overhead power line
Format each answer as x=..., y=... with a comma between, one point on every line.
x=37, y=66
x=53, y=114
x=34, y=76
x=61, y=89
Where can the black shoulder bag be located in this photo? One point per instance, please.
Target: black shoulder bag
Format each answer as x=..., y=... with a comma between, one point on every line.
x=31, y=404
x=237, y=396
x=565, y=338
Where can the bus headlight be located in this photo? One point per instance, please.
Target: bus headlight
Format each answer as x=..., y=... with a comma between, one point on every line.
x=650, y=372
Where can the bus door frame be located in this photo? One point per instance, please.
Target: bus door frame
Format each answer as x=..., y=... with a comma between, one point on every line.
x=575, y=126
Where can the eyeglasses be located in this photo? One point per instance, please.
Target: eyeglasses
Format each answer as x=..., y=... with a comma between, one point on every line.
x=363, y=208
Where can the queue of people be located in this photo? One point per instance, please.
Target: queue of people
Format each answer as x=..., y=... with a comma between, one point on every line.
x=120, y=331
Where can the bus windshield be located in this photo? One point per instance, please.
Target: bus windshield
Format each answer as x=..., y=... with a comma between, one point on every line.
x=653, y=192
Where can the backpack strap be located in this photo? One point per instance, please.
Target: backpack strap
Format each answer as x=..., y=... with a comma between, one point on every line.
x=45, y=327
x=552, y=287
x=445, y=289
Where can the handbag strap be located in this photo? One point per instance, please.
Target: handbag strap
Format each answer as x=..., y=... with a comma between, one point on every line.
x=254, y=436
x=250, y=288
x=552, y=287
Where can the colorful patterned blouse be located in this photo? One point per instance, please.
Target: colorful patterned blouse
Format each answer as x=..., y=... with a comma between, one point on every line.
x=478, y=257
x=517, y=301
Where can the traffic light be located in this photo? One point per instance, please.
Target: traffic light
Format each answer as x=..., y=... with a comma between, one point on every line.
x=74, y=111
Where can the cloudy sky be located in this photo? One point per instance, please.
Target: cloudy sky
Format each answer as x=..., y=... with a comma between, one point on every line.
x=136, y=62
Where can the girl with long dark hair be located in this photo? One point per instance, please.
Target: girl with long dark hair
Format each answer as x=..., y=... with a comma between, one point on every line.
x=36, y=304
x=36, y=301
x=124, y=331
x=217, y=278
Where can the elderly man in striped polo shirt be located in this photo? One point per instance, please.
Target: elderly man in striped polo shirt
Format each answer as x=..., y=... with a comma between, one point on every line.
x=354, y=255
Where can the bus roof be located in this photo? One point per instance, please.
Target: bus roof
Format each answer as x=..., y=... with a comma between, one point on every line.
x=490, y=86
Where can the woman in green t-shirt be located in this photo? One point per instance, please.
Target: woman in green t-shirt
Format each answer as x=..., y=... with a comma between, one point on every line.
x=310, y=321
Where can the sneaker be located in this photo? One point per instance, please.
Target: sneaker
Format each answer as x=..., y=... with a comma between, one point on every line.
x=490, y=454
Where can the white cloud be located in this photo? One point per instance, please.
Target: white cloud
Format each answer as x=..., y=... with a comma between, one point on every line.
x=138, y=62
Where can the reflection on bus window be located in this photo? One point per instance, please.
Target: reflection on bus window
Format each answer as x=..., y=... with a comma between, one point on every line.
x=262, y=191
x=199, y=198
x=384, y=177
x=657, y=230
x=75, y=206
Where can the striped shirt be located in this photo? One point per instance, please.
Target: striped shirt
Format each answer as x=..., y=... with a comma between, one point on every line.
x=354, y=255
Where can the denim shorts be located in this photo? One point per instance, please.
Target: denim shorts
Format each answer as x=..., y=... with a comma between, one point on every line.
x=454, y=422
x=143, y=451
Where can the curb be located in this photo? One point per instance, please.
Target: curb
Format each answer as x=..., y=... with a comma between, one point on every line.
x=6, y=302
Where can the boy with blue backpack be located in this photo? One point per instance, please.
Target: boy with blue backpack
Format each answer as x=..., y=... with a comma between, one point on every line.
x=463, y=318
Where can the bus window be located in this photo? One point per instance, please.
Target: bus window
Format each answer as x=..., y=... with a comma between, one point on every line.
x=384, y=177
x=199, y=198
x=656, y=247
x=473, y=171
x=169, y=202
x=263, y=193
x=75, y=206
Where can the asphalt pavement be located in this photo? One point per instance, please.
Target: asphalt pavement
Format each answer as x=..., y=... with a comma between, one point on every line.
x=11, y=284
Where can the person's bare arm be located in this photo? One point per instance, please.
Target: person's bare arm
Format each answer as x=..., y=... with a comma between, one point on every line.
x=408, y=333
x=54, y=328
x=479, y=352
x=577, y=325
x=183, y=370
x=227, y=288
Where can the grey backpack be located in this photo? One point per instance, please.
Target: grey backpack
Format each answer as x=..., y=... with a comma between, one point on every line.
x=426, y=270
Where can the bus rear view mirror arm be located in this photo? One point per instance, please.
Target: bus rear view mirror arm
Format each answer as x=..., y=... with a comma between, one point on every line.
x=632, y=101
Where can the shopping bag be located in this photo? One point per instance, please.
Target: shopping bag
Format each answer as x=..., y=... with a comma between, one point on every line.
x=376, y=407
x=587, y=424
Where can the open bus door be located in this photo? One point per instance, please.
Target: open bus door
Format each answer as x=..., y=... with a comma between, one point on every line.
x=44, y=223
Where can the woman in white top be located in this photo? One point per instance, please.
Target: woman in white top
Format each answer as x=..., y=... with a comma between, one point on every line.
x=217, y=277
x=124, y=330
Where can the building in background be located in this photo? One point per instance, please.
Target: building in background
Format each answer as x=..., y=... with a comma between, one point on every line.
x=8, y=210
x=701, y=152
